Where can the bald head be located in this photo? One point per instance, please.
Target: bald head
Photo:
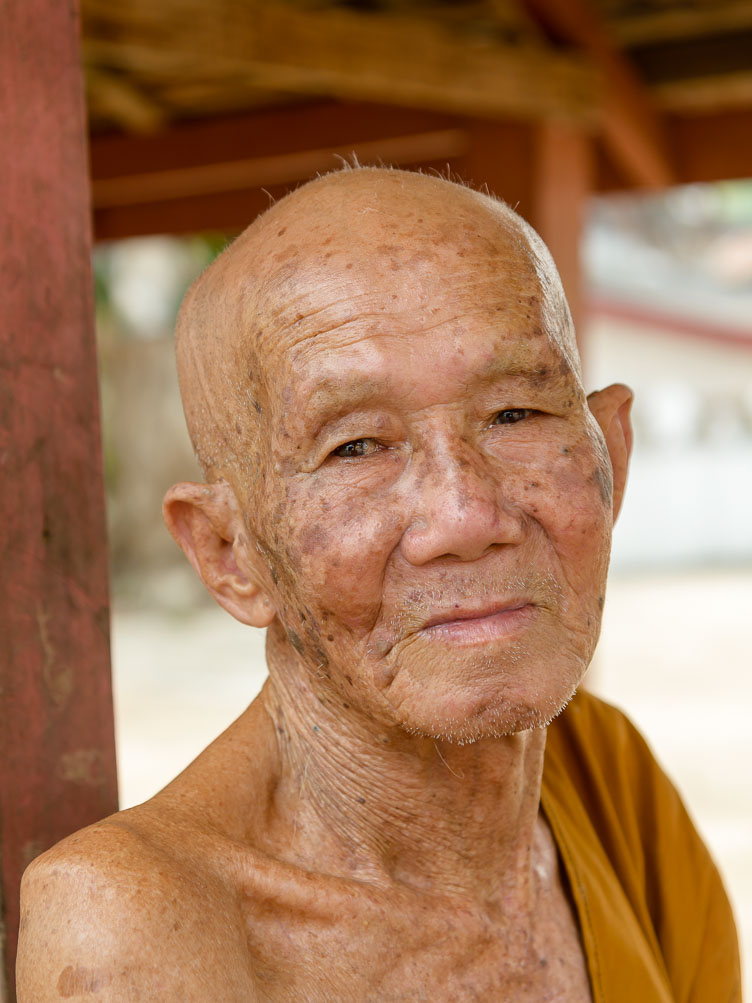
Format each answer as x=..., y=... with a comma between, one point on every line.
x=311, y=254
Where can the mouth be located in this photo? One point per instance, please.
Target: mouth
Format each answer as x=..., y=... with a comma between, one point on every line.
x=464, y=625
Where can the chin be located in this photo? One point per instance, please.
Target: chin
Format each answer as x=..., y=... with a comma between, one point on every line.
x=467, y=718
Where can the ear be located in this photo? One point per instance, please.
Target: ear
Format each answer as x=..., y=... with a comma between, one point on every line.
x=610, y=408
x=207, y=523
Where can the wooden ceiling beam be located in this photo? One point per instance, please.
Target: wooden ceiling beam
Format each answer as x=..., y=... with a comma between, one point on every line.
x=631, y=127
x=264, y=149
x=397, y=59
x=107, y=93
x=268, y=132
x=228, y=211
x=650, y=27
x=215, y=173
x=259, y=172
x=712, y=147
x=704, y=94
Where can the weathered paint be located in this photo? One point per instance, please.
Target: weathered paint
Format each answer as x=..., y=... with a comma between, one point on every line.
x=57, y=761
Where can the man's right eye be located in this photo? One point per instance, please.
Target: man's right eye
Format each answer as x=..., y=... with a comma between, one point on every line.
x=357, y=447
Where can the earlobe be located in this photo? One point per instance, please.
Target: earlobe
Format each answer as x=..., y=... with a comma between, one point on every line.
x=611, y=409
x=207, y=524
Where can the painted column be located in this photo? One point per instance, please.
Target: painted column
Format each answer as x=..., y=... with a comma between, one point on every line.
x=57, y=757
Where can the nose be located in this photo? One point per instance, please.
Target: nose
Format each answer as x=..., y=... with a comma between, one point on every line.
x=458, y=508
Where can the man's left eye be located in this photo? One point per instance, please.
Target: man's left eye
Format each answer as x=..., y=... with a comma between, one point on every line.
x=511, y=415
x=356, y=447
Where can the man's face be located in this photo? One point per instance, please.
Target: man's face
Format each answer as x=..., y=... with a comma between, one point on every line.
x=436, y=509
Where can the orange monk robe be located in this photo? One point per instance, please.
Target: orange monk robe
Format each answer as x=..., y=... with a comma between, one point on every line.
x=655, y=920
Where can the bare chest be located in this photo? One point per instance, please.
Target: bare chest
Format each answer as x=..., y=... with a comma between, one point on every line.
x=381, y=949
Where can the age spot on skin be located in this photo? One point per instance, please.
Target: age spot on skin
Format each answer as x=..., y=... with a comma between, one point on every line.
x=322, y=658
x=80, y=981
x=601, y=478
x=315, y=538
x=388, y=250
x=295, y=641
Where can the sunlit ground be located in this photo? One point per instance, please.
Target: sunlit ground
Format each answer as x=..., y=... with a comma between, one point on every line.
x=675, y=654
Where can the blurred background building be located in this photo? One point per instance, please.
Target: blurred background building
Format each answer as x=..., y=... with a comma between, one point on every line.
x=622, y=129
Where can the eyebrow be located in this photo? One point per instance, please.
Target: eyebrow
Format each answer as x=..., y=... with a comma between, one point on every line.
x=331, y=397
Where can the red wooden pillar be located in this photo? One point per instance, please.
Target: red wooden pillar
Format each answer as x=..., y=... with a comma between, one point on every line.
x=57, y=761
x=562, y=179
x=544, y=171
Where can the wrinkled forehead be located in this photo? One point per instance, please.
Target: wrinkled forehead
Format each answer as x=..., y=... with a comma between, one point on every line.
x=401, y=276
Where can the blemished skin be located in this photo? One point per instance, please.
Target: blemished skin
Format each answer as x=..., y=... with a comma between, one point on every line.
x=409, y=489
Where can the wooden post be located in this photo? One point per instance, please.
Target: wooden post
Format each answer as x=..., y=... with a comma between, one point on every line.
x=544, y=171
x=57, y=760
x=562, y=179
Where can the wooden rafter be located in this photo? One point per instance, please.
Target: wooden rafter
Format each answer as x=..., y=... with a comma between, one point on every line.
x=261, y=171
x=118, y=98
x=398, y=60
x=681, y=21
x=630, y=124
x=209, y=174
x=212, y=174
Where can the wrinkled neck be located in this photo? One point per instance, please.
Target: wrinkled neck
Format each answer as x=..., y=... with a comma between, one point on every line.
x=374, y=802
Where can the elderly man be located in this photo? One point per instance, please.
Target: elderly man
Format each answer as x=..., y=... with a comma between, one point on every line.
x=408, y=488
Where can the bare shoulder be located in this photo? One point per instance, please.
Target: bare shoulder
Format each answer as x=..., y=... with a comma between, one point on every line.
x=117, y=912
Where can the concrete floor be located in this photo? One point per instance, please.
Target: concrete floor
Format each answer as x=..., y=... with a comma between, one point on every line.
x=674, y=653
